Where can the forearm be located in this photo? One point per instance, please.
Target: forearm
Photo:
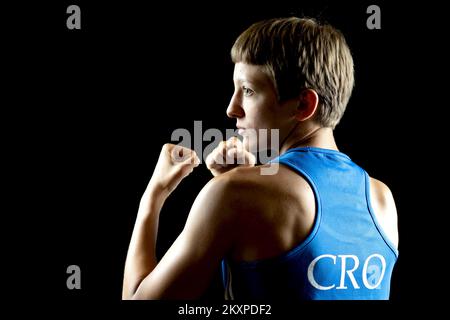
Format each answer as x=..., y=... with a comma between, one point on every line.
x=141, y=257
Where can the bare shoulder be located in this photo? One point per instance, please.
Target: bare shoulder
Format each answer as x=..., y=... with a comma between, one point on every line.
x=384, y=207
x=273, y=213
x=381, y=193
x=242, y=185
x=253, y=184
x=225, y=196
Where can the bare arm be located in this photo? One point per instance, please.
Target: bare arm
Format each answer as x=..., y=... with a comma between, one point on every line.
x=186, y=269
x=141, y=257
x=174, y=164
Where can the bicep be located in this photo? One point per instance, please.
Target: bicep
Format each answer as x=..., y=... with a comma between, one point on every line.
x=181, y=274
x=187, y=268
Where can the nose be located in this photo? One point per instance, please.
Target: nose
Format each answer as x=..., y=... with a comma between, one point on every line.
x=235, y=109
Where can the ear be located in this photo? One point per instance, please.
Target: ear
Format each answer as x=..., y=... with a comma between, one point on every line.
x=308, y=102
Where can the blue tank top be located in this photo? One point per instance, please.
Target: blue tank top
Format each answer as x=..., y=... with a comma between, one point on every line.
x=345, y=256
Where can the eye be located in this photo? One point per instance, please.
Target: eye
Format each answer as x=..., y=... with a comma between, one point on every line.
x=247, y=91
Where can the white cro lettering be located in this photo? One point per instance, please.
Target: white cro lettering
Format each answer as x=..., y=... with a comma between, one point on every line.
x=349, y=272
x=311, y=272
x=383, y=269
x=372, y=274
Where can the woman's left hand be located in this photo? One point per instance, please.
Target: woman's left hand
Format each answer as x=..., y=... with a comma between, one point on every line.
x=174, y=164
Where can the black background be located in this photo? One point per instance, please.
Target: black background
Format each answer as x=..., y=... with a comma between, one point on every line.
x=91, y=108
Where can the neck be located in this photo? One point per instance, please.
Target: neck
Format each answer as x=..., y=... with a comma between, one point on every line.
x=309, y=136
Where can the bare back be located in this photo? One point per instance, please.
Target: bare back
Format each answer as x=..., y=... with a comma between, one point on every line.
x=284, y=213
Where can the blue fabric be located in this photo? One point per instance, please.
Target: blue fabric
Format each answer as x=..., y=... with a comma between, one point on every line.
x=346, y=255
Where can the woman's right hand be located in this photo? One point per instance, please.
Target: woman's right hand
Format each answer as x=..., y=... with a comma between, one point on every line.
x=228, y=155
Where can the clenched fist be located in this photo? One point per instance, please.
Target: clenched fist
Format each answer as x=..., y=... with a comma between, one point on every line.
x=174, y=164
x=228, y=155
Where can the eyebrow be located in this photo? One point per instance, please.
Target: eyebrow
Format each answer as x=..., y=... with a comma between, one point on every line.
x=258, y=83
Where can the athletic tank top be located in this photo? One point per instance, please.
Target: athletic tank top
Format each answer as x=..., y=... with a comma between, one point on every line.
x=345, y=256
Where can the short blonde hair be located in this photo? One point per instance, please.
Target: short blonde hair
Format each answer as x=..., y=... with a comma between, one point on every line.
x=301, y=54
